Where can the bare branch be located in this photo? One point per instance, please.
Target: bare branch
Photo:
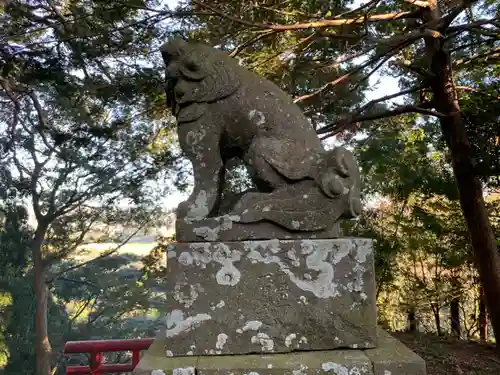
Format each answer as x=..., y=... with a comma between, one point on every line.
x=418, y=3
x=338, y=127
x=84, y=282
x=69, y=248
x=55, y=187
x=32, y=176
x=405, y=64
x=360, y=20
x=250, y=41
x=486, y=32
x=104, y=254
x=82, y=308
x=399, y=42
x=364, y=7
x=39, y=110
x=472, y=25
x=487, y=58
x=444, y=22
x=371, y=72
x=473, y=44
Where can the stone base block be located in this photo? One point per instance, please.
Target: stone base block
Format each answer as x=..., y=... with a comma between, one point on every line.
x=272, y=296
x=224, y=228
x=390, y=358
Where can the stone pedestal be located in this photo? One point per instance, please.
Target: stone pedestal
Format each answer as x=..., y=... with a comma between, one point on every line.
x=299, y=306
x=271, y=296
x=389, y=358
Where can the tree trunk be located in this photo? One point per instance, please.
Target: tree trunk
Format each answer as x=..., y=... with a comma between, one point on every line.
x=455, y=317
x=469, y=186
x=412, y=319
x=42, y=344
x=437, y=318
x=455, y=308
x=483, y=317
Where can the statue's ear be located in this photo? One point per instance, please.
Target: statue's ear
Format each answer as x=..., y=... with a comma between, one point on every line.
x=172, y=49
x=192, y=70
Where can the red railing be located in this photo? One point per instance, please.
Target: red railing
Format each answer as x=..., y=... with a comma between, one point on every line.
x=95, y=350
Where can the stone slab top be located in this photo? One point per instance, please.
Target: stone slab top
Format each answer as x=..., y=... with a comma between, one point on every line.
x=390, y=358
x=383, y=357
x=226, y=228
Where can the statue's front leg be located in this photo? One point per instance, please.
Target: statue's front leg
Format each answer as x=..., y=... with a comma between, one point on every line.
x=200, y=143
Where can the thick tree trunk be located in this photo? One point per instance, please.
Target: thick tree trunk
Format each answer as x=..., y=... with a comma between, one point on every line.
x=483, y=317
x=42, y=344
x=469, y=186
x=455, y=308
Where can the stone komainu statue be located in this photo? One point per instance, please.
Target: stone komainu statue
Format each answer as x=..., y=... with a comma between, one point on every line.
x=224, y=111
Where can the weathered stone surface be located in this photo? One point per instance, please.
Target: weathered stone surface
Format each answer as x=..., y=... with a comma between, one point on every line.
x=222, y=229
x=391, y=357
x=225, y=112
x=154, y=361
x=341, y=362
x=270, y=296
x=305, y=363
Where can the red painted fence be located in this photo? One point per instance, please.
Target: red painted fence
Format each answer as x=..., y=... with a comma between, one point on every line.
x=95, y=350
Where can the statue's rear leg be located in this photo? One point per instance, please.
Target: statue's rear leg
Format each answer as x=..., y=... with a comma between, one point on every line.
x=264, y=176
x=201, y=146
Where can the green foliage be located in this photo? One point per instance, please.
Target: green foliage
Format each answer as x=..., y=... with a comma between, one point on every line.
x=398, y=159
x=17, y=293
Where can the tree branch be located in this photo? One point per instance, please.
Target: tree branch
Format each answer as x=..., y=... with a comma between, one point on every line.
x=250, y=41
x=84, y=282
x=405, y=64
x=472, y=89
x=335, y=128
x=17, y=110
x=364, y=7
x=360, y=20
x=39, y=111
x=472, y=25
x=418, y=3
x=400, y=43
x=486, y=58
x=76, y=18
x=70, y=247
x=103, y=255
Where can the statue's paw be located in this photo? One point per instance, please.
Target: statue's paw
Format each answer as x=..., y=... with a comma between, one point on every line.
x=333, y=186
x=355, y=207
